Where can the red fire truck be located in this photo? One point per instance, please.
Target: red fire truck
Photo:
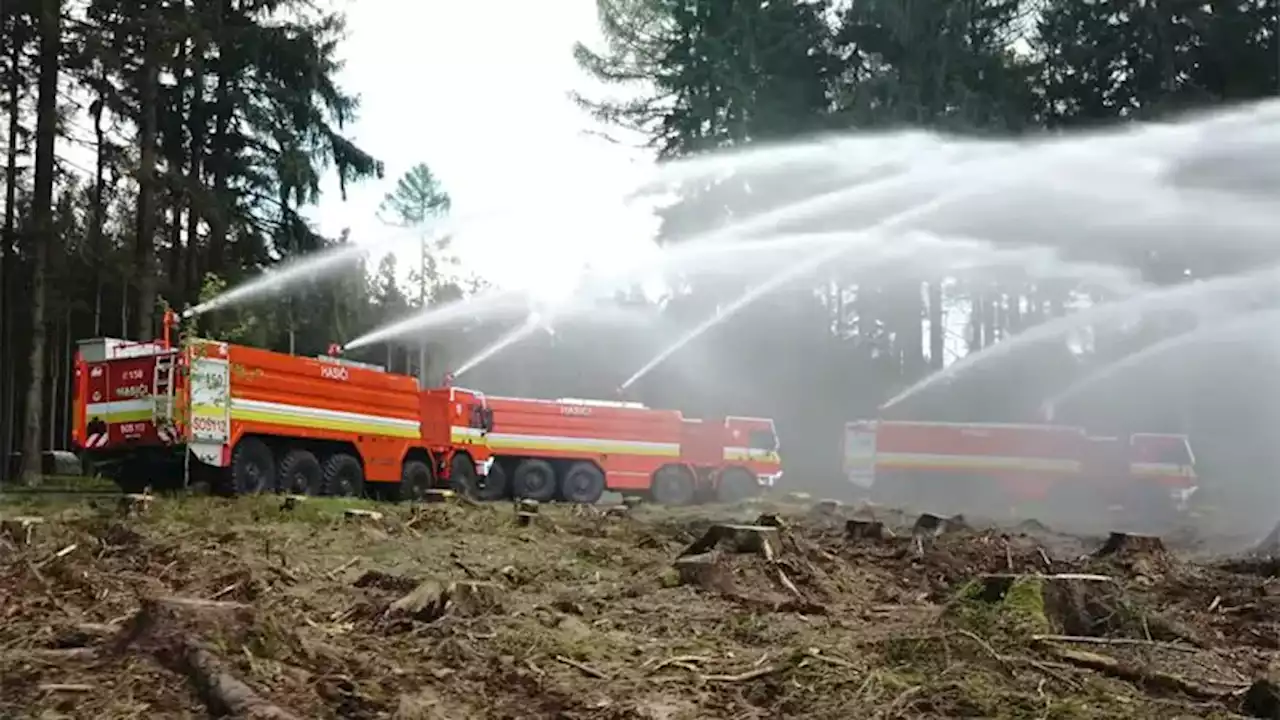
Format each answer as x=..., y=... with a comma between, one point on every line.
x=260, y=421
x=575, y=449
x=975, y=467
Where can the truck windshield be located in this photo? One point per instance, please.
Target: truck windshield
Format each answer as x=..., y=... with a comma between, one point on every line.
x=763, y=440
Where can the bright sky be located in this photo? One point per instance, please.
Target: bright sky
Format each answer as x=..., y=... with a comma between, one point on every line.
x=480, y=92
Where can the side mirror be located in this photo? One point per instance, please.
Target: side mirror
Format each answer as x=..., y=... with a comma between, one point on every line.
x=487, y=415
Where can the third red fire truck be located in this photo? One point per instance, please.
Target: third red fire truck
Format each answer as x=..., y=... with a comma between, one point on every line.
x=978, y=467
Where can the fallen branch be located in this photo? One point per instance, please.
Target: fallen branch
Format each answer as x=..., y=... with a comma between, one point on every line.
x=682, y=661
x=743, y=677
x=986, y=646
x=224, y=692
x=1153, y=678
x=332, y=574
x=1087, y=640
x=65, y=687
x=581, y=667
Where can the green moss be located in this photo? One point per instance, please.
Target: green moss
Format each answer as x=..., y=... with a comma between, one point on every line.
x=1023, y=605
x=1018, y=610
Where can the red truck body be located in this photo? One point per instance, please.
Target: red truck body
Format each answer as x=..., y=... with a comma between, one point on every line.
x=988, y=464
x=574, y=449
x=252, y=420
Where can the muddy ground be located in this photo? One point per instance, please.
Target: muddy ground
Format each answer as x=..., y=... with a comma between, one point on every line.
x=204, y=607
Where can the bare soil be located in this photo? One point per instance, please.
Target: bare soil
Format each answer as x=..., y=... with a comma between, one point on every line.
x=255, y=608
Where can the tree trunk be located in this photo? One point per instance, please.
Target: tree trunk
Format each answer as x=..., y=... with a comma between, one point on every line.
x=97, y=251
x=195, y=158
x=220, y=208
x=937, y=330
x=174, y=150
x=8, y=242
x=42, y=215
x=144, y=255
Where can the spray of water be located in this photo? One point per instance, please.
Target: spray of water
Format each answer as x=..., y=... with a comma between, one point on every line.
x=794, y=272
x=1245, y=326
x=307, y=268
x=1221, y=290
x=911, y=148
x=488, y=306
x=524, y=330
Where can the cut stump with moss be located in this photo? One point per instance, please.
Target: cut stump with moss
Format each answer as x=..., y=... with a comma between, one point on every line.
x=1072, y=604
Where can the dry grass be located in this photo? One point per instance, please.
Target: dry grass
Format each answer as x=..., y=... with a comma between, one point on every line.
x=581, y=615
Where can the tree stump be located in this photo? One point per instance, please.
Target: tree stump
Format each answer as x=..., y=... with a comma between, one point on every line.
x=135, y=503
x=1070, y=603
x=739, y=538
x=292, y=502
x=1261, y=700
x=632, y=501
x=929, y=524
x=1122, y=544
x=359, y=514
x=827, y=507
x=617, y=511
x=437, y=496
x=863, y=529
x=20, y=528
x=704, y=570
x=526, y=512
x=770, y=520
x=431, y=600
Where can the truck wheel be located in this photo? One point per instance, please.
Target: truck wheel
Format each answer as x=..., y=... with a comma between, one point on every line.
x=343, y=476
x=673, y=486
x=584, y=483
x=415, y=480
x=462, y=475
x=493, y=486
x=299, y=472
x=253, y=468
x=534, y=480
x=736, y=485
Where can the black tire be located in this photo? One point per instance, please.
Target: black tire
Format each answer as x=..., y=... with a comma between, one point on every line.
x=462, y=475
x=583, y=483
x=299, y=472
x=494, y=486
x=343, y=476
x=736, y=485
x=415, y=479
x=253, y=468
x=673, y=486
x=534, y=480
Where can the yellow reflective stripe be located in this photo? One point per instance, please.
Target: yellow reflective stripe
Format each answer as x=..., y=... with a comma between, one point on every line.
x=742, y=454
x=593, y=446
x=320, y=419
x=973, y=462
x=121, y=411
